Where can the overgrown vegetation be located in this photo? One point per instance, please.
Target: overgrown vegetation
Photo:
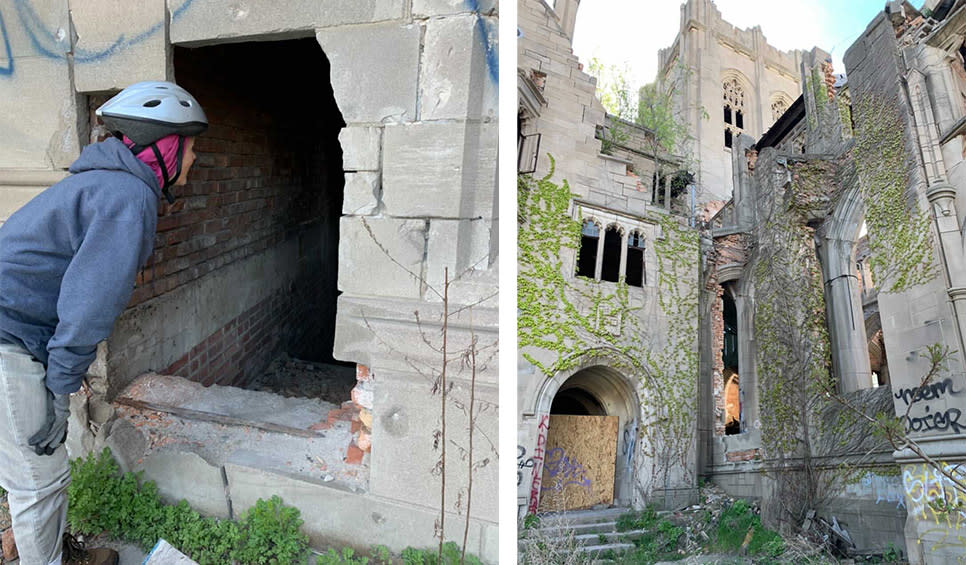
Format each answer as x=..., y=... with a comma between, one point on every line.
x=102, y=500
x=900, y=239
x=739, y=528
x=737, y=531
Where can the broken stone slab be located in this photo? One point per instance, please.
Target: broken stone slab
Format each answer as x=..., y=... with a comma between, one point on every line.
x=164, y=554
x=186, y=476
x=80, y=439
x=180, y=396
x=216, y=444
x=127, y=444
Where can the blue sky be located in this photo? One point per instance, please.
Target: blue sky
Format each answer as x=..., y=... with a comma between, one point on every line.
x=631, y=31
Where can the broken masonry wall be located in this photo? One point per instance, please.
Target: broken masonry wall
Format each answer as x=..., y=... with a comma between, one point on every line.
x=710, y=50
x=888, y=82
x=569, y=119
x=236, y=277
x=864, y=502
x=416, y=84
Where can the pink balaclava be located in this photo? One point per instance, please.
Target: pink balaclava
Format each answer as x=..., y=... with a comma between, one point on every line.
x=168, y=146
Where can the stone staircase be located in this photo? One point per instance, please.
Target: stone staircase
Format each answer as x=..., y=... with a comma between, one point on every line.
x=594, y=531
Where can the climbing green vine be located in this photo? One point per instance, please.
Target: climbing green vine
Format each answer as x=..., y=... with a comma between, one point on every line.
x=900, y=240
x=789, y=320
x=565, y=321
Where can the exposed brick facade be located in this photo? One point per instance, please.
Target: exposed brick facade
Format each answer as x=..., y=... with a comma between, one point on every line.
x=746, y=455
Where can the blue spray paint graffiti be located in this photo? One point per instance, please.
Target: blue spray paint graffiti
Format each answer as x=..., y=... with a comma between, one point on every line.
x=8, y=70
x=51, y=44
x=564, y=470
x=56, y=45
x=488, y=29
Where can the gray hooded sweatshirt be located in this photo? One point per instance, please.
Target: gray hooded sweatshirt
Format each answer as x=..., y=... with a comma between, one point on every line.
x=69, y=257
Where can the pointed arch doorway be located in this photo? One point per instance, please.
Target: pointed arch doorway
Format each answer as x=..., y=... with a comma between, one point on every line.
x=591, y=440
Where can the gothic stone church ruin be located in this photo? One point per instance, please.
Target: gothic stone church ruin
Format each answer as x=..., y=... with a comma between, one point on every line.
x=820, y=284
x=285, y=337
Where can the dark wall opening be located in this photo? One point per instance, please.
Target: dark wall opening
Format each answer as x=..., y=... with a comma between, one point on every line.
x=576, y=402
x=267, y=182
x=587, y=256
x=729, y=354
x=611, y=264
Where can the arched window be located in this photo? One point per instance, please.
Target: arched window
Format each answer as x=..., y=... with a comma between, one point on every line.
x=587, y=257
x=734, y=109
x=634, y=271
x=611, y=265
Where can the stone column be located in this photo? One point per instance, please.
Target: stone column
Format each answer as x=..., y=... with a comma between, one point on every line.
x=942, y=198
x=846, y=324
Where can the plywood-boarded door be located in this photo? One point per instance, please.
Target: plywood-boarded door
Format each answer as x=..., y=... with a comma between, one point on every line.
x=578, y=468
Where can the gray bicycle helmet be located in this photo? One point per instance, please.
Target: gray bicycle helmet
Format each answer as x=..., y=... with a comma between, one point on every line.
x=148, y=111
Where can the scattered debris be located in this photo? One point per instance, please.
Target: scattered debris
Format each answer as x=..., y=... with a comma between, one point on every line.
x=297, y=378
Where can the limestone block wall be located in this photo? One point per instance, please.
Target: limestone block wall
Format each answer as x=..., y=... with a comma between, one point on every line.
x=415, y=86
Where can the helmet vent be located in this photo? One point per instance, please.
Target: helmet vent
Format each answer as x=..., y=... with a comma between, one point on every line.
x=185, y=103
x=152, y=103
x=161, y=87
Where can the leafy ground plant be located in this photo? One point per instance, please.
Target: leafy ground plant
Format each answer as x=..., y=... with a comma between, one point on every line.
x=101, y=499
x=735, y=524
x=451, y=556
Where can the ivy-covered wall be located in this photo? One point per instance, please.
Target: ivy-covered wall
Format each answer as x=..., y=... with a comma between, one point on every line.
x=648, y=334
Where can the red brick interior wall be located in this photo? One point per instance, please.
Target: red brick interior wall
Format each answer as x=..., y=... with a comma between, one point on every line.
x=268, y=172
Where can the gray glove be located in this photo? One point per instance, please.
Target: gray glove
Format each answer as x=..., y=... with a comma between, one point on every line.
x=54, y=431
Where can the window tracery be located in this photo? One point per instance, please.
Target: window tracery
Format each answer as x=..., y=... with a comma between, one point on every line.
x=734, y=109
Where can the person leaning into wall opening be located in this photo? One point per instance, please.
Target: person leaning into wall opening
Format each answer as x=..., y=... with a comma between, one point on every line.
x=68, y=262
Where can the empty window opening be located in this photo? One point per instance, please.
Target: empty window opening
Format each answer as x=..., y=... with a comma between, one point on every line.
x=634, y=271
x=734, y=106
x=729, y=355
x=587, y=257
x=611, y=265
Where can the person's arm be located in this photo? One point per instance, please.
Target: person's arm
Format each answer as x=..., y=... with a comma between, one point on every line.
x=96, y=287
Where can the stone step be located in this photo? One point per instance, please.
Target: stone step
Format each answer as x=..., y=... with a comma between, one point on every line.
x=601, y=548
x=609, y=537
x=592, y=528
x=583, y=516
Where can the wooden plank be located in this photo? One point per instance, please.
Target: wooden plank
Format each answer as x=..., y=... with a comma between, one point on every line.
x=190, y=414
x=580, y=461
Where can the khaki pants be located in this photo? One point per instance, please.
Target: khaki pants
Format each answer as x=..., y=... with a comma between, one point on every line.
x=36, y=485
